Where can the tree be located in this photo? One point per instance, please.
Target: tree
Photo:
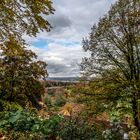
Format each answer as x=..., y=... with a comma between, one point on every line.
x=114, y=44
x=20, y=17
x=107, y=101
x=20, y=72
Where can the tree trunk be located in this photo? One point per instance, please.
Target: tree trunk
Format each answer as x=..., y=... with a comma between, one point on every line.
x=34, y=101
x=135, y=113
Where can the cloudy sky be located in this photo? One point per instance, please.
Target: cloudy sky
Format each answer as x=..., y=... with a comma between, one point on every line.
x=61, y=48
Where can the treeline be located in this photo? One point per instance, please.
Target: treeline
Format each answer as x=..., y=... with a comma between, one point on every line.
x=114, y=45
x=49, y=83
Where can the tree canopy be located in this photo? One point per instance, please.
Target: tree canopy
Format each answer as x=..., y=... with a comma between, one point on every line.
x=114, y=41
x=19, y=17
x=114, y=45
x=20, y=71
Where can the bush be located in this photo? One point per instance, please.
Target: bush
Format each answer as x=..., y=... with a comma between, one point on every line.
x=48, y=101
x=9, y=106
x=23, y=136
x=60, y=101
x=78, y=129
x=25, y=123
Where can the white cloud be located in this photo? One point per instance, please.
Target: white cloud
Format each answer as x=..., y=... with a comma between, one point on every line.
x=72, y=21
x=62, y=60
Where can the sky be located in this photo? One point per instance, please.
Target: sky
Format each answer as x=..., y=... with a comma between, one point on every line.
x=61, y=48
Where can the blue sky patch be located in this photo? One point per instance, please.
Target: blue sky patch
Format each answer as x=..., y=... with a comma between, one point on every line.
x=42, y=43
x=68, y=43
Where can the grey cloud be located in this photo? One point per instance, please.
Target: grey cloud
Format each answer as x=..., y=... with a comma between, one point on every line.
x=59, y=22
x=56, y=68
x=63, y=69
x=72, y=21
x=82, y=14
x=61, y=60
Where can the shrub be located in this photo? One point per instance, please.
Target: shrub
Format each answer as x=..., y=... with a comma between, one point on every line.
x=9, y=106
x=27, y=123
x=60, y=101
x=78, y=129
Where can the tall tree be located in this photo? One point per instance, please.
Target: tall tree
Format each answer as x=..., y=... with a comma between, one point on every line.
x=19, y=17
x=114, y=43
x=20, y=72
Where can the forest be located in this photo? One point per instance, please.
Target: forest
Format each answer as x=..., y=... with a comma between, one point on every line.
x=103, y=104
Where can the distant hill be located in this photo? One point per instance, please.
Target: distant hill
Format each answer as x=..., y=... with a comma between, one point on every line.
x=64, y=79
